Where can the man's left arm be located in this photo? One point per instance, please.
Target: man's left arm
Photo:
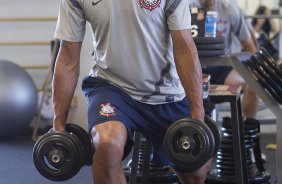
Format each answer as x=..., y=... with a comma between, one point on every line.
x=242, y=30
x=189, y=70
x=249, y=45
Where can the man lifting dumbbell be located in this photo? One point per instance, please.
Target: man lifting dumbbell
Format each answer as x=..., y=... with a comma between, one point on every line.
x=143, y=54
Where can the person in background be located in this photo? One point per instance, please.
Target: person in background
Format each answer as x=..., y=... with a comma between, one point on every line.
x=236, y=44
x=146, y=75
x=264, y=25
x=230, y=24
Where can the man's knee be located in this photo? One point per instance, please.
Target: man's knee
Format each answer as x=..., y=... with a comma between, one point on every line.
x=109, y=138
x=233, y=78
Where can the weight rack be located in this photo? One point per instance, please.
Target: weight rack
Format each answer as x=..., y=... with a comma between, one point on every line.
x=236, y=60
x=233, y=97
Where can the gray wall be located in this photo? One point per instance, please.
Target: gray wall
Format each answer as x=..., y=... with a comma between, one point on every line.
x=251, y=5
x=38, y=31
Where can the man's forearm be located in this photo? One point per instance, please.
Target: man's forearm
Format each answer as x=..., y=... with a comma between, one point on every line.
x=64, y=84
x=190, y=73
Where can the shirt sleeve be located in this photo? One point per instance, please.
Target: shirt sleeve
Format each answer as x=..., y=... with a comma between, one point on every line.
x=178, y=14
x=239, y=25
x=71, y=21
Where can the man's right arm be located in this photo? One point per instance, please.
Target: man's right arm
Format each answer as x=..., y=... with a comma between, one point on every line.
x=65, y=80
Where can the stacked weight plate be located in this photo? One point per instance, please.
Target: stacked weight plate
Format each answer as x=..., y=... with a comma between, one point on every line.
x=158, y=173
x=224, y=172
x=266, y=43
x=267, y=72
x=210, y=46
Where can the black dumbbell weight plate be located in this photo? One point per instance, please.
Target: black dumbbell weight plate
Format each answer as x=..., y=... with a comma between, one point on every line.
x=57, y=156
x=247, y=138
x=267, y=57
x=208, y=40
x=223, y=172
x=225, y=158
x=229, y=168
x=85, y=141
x=223, y=153
x=190, y=154
x=229, y=163
x=269, y=69
x=266, y=76
x=216, y=178
x=168, y=177
x=216, y=132
x=225, y=167
x=216, y=46
x=248, y=130
x=158, y=168
x=279, y=65
x=228, y=144
x=247, y=134
x=210, y=53
x=269, y=60
x=264, y=84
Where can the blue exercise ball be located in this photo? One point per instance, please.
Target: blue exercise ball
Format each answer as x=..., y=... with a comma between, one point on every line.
x=18, y=99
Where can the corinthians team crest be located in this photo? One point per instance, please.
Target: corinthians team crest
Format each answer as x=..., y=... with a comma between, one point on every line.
x=107, y=110
x=150, y=4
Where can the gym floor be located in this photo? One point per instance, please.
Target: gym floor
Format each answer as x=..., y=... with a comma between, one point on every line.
x=16, y=165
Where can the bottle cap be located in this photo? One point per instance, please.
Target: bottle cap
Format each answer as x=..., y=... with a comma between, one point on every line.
x=214, y=13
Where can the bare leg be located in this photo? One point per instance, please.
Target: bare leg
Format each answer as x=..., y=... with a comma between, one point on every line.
x=109, y=140
x=250, y=100
x=197, y=177
x=250, y=103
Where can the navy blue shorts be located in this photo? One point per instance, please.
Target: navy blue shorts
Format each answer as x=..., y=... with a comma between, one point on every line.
x=107, y=102
x=218, y=73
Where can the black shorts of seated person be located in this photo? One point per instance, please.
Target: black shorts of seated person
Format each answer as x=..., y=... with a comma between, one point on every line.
x=218, y=73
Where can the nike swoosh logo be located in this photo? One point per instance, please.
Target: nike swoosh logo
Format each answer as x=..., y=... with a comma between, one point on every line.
x=94, y=3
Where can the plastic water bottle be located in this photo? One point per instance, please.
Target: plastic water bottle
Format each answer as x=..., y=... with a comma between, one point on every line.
x=206, y=85
x=210, y=24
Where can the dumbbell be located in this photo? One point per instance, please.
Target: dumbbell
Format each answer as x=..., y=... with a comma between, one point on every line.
x=58, y=156
x=189, y=143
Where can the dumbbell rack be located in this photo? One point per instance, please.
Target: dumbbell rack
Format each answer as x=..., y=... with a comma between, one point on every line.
x=220, y=94
x=235, y=60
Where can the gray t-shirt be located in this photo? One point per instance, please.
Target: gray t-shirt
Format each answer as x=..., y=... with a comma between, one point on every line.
x=132, y=43
x=230, y=22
